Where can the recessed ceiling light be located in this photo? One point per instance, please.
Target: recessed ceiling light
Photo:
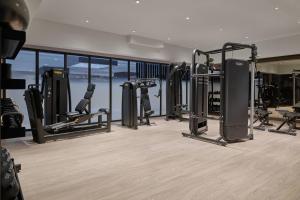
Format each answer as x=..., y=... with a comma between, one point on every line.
x=134, y=31
x=187, y=18
x=87, y=21
x=137, y=1
x=276, y=8
x=169, y=39
x=246, y=37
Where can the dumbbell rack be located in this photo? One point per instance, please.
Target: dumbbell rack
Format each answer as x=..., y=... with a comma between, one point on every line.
x=16, y=39
x=12, y=84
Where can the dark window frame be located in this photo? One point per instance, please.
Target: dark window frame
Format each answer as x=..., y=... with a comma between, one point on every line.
x=111, y=58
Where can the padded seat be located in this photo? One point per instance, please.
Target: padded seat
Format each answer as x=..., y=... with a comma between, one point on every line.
x=74, y=114
x=81, y=108
x=288, y=114
x=149, y=113
x=262, y=112
x=292, y=115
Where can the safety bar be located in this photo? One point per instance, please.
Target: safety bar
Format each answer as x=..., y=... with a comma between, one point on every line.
x=238, y=46
x=217, y=51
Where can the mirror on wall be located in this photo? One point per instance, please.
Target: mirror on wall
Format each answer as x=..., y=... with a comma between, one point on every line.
x=283, y=79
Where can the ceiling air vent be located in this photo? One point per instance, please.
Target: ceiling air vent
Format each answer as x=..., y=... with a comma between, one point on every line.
x=145, y=42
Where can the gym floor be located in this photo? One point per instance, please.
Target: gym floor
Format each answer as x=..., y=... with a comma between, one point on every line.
x=158, y=163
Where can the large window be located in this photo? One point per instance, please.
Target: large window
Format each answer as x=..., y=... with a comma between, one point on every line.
x=153, y=71
x=141, y=70
x=23, y=67
x=100, y=77
x=133, y=70
x=84, y=69
x=119, y=76
x=48, y=61
x=78, y=67
x=185, y=90
x=164, y=69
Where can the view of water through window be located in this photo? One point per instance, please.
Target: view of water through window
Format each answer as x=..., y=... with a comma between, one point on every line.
x=24, y=67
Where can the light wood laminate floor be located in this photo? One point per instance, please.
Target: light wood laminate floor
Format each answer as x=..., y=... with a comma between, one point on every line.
x=157, y=163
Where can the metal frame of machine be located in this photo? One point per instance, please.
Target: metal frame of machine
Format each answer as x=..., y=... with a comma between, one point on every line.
x=175, y=109
x=70, y=128
x=231, y=124
x=129, y=102
x=295, y=73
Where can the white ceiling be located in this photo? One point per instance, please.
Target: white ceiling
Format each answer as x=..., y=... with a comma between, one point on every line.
x=160, y=19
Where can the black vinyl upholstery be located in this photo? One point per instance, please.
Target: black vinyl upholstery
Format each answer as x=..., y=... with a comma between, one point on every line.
x=82, y=105
x=90, y=91
x=37, y=101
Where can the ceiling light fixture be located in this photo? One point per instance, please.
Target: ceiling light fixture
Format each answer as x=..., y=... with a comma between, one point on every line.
x=187, y=18
x=169, y=39
x=246, y=37
x=276, y=8
x=134, y=31
x=87, y=21
x=137, y=1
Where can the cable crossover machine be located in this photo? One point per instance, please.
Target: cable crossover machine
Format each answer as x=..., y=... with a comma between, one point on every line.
x=176, y=74
x=234, y=97
x=129, y=102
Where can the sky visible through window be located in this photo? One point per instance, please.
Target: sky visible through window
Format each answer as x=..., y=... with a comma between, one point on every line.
x=23, y=67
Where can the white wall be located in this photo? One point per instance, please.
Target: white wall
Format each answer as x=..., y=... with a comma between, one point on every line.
x=268, y=48
x=279, y=47
x=44, y=33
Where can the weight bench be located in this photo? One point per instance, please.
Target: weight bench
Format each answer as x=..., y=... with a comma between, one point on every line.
x=262, y=116
x=290, y=118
